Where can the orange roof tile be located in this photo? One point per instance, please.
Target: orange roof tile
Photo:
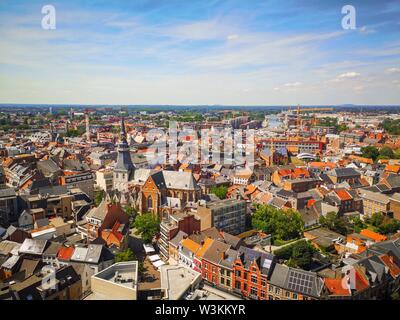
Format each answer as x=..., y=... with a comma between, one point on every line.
x=392, y=168
x=317, y=164
x=377, y=237
x=343, y=194
x=207, y=243
x=250, y=189
x=190, y=245
x=65, y=253
x=361, y=159
x=335, y=287
x=393, y=267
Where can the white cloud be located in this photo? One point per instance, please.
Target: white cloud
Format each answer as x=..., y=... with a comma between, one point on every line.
x=292, y=84
x=392, y=70
x=348, y=75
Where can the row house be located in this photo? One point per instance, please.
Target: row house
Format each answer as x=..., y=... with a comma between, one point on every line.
x=374, y=202
x=251, y=271
x=344, y=200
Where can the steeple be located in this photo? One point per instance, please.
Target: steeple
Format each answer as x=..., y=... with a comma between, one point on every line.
x=124, y=161
x=122, y=132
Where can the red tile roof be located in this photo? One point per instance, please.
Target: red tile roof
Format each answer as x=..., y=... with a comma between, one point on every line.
x=393, y=267
x=343, y=195
x=65, y=253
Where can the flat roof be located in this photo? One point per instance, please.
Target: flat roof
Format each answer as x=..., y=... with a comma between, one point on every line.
x=122, y=273
x=177, y=280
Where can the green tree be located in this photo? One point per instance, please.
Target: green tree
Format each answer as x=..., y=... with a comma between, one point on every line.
x=220, y=191
x=376, y=219
x=332, y=222
x=126, y=255
x=73, y=133
x=283, y=225
x=396, y=154
x=386, y=153
x=341, y=127
x=147, y=226
x=98, y=197
x=298, y=254
x=391, y=126
x=389, y=227
x=131, y=211
x=370, y=152
x=358, y=225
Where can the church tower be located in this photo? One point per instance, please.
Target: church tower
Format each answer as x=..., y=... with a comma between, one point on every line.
x=124, y=166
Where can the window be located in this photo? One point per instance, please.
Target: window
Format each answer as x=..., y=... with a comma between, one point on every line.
x=277, y=290
x=254, y=278
x=263, y=282
x=287, y=294
x=253, y=290
x=228, y=283
x=237, y=285
x=295, y=296
x=270, y=288
x=150, y=203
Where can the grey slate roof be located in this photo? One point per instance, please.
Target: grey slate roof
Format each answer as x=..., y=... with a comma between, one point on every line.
x=11, y=262
x=230, y=257
x=179, y=236
x=265, y=261
x=375, y=267
x=139, y=176
x=99, y=212
x=393, y=180
x=33, y=246
x=343, y=172
x=179, y=180
x=297, y=280
x=94, y=253
x=75, y=165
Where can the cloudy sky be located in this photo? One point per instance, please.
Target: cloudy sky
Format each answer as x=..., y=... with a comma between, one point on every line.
x=200, y=52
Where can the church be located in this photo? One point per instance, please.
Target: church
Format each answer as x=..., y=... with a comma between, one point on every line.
x=159, y=192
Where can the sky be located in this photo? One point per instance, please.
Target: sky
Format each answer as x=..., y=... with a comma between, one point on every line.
x=205, y=52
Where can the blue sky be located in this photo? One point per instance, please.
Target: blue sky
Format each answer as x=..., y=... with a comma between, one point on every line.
x=200, y=52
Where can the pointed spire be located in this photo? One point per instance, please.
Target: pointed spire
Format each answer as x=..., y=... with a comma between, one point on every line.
x=123, y=132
